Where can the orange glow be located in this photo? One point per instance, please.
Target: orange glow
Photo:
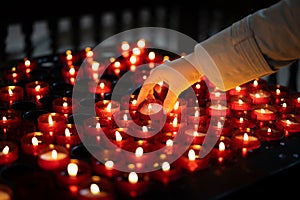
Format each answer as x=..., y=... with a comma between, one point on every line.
x=34, y=141
x=165, y=166
x=54, y=154
x=246, y=137
x=5, y=150
x=175, y=122
x=133, y=178
x=118, y=136
x=72, y=169
x=67, y=132
x=191, y=155
x=109, y=164
x=50, y=120
x=139, y=152
x=221, y=146
x=94, y=188
x=151, y=55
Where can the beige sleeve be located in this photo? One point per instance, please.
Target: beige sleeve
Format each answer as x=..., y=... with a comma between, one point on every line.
x=253, y=47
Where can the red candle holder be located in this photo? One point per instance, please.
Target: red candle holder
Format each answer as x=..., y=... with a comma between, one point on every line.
x=220, y=126
x=11, y=94
x=196, y=116
x=27, y=66
x=256, y=84
x=96, y=189
x=69, y=57
x=167, y=174
x=33, y=142
x=294, y=100
x=217, y=110
x=76, y=173
x=65, y=105
x=69, y=137
x=245, y=141
x=217, y=95
x=289, y=124
x=36, y=89
x=105, y=108
x=93, y=127
x=51, y=123
x=241, y=90
x=278, y=91
x=240, y=103
x=242, y=123
x=10, y=118
x=103, y=86
x=269, y=134
x=173, y=126
x=190, y=160
x=119, y=137
x=13, y=75
x=106, y=169
x=264, y=113
x=150, y=110
x=9, y=152
x=222, y=152
x=122, y=119
x=284, y=109
x=260, y=96
x=132, y=184
x=53, y=157
x=198, y=134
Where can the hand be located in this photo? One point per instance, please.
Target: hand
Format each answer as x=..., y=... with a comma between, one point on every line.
x=178, y=74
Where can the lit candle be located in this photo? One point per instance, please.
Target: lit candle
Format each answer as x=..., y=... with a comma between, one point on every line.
x=53, y=157
x=36, y=89
x=260, y=97
x=168, y=173
x=93, y=128
x=10, y=94
x=289, y=124
x=122, y=119
x=241, y=90
x=198, y=134
x=65, y=105
x=218, y=110
x=222, y=152
x=245, y=141
x=94, y=193
x=69, y=137
x=9, y=152
x=106, y=108
x=102, y=87
x=51, y=123
x=269, y=134
x=106, y=169
x=264, y=113
x=33, y=142
x=240, y=103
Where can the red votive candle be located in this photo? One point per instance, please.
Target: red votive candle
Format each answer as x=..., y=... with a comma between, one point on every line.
x=150, y=110
x=198, y=134
x=106, y=169
x=10, y=118
x=242, y=123
x=105, y=108
x=69, y=137
x=94, y=128
x=222, y=152
x=119, y=137
x=245, y=141
x=51, y=123
x=217, y=95
x=36, y=89
x=221, y=126
x=10, y=94
x=122, y=119
x=256, y=84
x=53, y=157
x=196, y=116
x=9, y=152
x=269, y=133
x=290, y=123
x=260, y=97
x=33, y=142
x=102, y=87
x=190, y=160
x=132, y=184
x=241, y=90
x=264, y=113
x=240, y=103
x=168, y=173
x=217, y=110
x=278, y=91
x=65, y=105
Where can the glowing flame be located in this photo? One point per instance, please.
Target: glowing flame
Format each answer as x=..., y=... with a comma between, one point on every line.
x=284, y=105
x=109, y=164
x=257, y=95
x=72, y=71
x=197, y=113
x=125, y=117
x=10, y=92
x=133, y=178
x=98, y=125
x=277, y=91
x=269, y=130
x=5, y=150
x=117, y=64
x=169, y=143
x=118, y=136
x=67, y=132
x=72, y=169
x=37, y=88
x=50, y=120
x=238, y=88
x=54, y=154
x=219, y=107
x=288, y=122
x=217, y=94
x=141, y=43
x=4, y=119
x=219, y=125
x=94, y=188
x=175, y=122
x=262, y=110
x=198, y=86
x=246, y=137
x=195, y=134
x=133, y=59
x=149, y=107
x=240, y=101
x=255, y=83
x=192, y=155
x=144, y=129
x=134, y=102
x=27, y=63
x=95, y=66
x=165, y=166
x=298, y=99
x=221, y=146
x=101, y=85
x=125, y=46
x=151, y=55
x=139, y=152
x=34, y=141
x=108, y=107
x=65, y=104
x=136, y=51
x=241, y=120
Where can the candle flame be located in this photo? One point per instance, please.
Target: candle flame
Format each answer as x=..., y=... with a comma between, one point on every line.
x=125, y=117
x=89, y=52
x=98, y=125
x=133, y=178
x=269, y=130
x=125, y=46
x=149, y=107
x=10, y=92
x=27, y=63
x=284, y=105
x=219, y=125
x=277, y=91
x=139, y=152
x=219, y=107
x=165, y=166
x=34, y=141
x=72, y=71
x=192, y=155
x=238, y=88
x=102, y=85
x=198, y=86
x=94, y=188
x=176, y=106
x=255, y=83
x=169, y=143
x=221, y=146
x=136, y=51
x=50, y=120
x=65, y=104
x=4, y=119
x=175, y=122
x=72, y=169
x=109, y=164
x=288, y=122
x=67, y=132
x=133, y=60
x=246, y=137
x=151, y=55
x=117, y=64
x=257, y=95
x=95, y=66
x=241, y=120
x=141, y=43
x=108, y=107
x=37, y=88
x=195, y=134
x=134, y=102
x=118, y=136
x=166, y=58
x=69, y=56
x=217, y=94
x=298, y=99
x=5, y=150
x=197, y=113
x=144, y=129
x=240, y=101
x=54, y=154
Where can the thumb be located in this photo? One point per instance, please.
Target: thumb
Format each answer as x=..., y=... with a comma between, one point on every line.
x=170, y=101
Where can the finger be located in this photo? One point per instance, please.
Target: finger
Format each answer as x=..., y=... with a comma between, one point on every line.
x=145, y=92
x=170, y=101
